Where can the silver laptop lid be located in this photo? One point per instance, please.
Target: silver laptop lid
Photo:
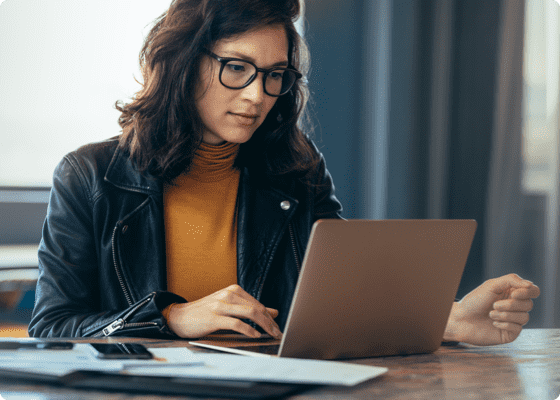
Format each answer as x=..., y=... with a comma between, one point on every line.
x=373, y=288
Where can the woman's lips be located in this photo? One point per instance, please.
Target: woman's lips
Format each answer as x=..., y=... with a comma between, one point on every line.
x=245, y=119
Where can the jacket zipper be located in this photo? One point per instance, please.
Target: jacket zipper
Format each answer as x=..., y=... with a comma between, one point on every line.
x=292, y=237
x=298, y=265
x=121, y=322
x=117, y=270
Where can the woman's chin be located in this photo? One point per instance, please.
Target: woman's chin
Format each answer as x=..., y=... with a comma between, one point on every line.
x=235, y=136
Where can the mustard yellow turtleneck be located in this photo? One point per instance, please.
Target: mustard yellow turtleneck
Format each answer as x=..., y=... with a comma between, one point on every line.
x=200, y=224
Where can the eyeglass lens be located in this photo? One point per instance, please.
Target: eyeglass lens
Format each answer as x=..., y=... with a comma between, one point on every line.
x=236, y=74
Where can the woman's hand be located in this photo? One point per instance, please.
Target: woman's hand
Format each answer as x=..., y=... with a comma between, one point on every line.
x=493, y=313
x=222, y=310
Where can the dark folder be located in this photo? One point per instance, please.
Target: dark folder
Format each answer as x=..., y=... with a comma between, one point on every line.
x=117, y=382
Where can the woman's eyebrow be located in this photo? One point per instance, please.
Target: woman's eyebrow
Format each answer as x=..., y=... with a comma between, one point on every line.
x=236, y=54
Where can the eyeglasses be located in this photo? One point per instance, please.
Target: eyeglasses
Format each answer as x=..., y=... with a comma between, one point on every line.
x=236, y=73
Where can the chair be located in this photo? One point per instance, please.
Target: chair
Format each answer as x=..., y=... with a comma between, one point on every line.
x=18, y=274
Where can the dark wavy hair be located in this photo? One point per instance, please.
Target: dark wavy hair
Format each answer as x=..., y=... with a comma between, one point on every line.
x=161, y=126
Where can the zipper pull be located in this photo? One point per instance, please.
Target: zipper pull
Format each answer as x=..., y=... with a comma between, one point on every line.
x=118, y=324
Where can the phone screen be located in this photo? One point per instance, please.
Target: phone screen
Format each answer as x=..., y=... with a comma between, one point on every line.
x=121, y=351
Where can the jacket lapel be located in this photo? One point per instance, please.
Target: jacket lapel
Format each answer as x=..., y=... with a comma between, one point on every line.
x=262, y=219
x=144, y=223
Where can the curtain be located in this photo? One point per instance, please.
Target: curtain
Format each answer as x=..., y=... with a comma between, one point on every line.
x=419, y=111
x=455, y=131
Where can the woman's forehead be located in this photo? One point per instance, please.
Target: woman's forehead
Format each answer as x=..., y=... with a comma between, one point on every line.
x=269, y=42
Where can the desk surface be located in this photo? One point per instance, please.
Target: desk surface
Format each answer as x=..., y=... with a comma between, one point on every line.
x=528, y=368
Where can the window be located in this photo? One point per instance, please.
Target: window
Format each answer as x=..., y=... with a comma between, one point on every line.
x=64, y=64
x=541, y=161
x=541, y=79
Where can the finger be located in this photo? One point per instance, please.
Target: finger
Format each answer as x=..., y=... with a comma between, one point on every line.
x=237, y=325
x=255, y=311
x=237, y=292
x=520, y=318
x=256, y=314
x=509, y=331
x=273, y=312
x=503, y=283
x=526, y=293
x=259, y=314
x=236, y=295
x=514, y=305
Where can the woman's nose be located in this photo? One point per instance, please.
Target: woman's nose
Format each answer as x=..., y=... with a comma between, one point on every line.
x=255, y=91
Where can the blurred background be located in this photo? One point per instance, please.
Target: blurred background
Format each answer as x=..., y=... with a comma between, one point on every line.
x=422, y=108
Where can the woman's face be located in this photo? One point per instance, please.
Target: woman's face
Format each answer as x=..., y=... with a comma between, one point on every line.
x=234, y=115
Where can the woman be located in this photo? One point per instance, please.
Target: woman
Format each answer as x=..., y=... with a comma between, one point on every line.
x=196, y=218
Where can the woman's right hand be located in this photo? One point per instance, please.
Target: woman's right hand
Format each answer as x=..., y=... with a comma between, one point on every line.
x=223, y=309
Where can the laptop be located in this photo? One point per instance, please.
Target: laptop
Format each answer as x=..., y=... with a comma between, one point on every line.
x=369, y=288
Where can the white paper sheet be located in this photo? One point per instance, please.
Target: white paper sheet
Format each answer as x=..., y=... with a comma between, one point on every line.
x=287, y=370
x=181, y=362
x=56, y=362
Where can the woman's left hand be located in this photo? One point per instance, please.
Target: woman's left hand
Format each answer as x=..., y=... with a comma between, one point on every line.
x=493, y=313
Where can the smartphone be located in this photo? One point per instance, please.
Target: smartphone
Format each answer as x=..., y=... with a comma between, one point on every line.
x=121, y=351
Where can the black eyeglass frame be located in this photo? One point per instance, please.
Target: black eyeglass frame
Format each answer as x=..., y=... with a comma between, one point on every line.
x=224, y=60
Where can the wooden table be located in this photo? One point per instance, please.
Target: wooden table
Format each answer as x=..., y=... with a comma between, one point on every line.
x=528, y=368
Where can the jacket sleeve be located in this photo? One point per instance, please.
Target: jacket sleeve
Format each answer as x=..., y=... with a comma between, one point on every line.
x=68, y=298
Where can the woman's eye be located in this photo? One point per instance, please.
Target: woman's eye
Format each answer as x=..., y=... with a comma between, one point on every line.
x=276, y=75
x=235, y=67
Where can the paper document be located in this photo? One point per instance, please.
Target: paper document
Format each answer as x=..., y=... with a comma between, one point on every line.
x=286, y=370
x=81, y=357
x=182, y=362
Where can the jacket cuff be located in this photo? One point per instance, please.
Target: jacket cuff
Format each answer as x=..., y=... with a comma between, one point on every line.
x=142, y=319
x=162, y=300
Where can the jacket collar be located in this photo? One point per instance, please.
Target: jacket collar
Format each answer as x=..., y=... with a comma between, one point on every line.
x=122, y=173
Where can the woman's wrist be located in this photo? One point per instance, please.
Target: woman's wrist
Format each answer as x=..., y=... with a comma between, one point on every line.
x=451, y=333
x=173, y=318
x=167, y=310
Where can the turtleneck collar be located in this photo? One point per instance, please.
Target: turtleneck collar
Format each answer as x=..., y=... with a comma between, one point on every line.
x=213, y=162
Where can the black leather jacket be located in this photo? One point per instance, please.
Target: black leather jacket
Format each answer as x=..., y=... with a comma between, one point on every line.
x=102, y=256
